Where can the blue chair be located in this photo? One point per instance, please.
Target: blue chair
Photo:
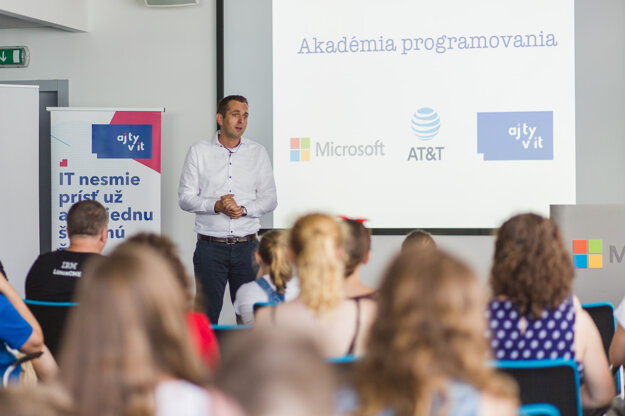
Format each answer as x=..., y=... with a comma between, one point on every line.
x=224, y=332
x=343, y=368
x=602, y=313
x=52, y=316
x=539, y=409
x=553, y=382
x=259, y=305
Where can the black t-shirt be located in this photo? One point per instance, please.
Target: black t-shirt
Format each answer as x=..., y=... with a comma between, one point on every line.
x=53, y=276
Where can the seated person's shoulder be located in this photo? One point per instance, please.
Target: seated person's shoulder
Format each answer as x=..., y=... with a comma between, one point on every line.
x=287, y=313
x=14, y=329
x=368, y=308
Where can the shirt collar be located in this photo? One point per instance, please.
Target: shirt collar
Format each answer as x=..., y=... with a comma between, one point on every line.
x=216, y=140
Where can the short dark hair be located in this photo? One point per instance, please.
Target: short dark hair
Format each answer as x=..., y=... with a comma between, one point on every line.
x=224, y=103
x=86, y=217
x=418, y=239
x=357, y=243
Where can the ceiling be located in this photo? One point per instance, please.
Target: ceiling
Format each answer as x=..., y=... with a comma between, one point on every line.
x=9, y=22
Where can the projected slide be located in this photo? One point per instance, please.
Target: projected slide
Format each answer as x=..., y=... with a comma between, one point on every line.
x=432, y=114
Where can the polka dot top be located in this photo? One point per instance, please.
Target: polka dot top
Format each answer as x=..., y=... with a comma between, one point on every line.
x=514, y=337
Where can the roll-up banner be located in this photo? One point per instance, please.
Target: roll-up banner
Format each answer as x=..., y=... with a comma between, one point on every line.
x=112, y=156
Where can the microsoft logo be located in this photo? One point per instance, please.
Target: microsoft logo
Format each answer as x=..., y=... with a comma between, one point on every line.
x=300, y=149
x=587, y=254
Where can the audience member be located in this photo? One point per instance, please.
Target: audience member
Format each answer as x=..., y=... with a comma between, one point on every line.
x=275, y=283
x=357, y=243
x=534, y=314
x=53, y=276
x=40, y=400
x=617, y=346
x=339, y=325
x=19, y=330
x=418, y=239
x=275, y=373
x=127, y=350
x=203, y=336
x=426, y=353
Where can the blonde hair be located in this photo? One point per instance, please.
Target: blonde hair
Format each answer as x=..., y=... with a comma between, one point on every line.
x=272, y=251
x=128, y=330
x=315, y=240
x=430, y=324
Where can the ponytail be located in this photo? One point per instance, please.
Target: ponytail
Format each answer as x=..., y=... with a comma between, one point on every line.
x=272, y=251
x=315, y=240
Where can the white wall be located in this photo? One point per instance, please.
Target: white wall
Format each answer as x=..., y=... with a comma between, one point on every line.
x=600, y=101
x=135, y=56
x=66, y=14
x=476, y=251
x=19, y=187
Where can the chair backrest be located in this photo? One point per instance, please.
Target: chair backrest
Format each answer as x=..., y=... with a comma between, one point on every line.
x=259, y=305
x=52, y=316
x=602, y=313
x=603, y=316
x=223, y=332
x=539, y=409
x=554, y=382
x=343, y=368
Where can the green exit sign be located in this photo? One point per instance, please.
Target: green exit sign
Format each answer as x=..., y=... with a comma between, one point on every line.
x=14, y=56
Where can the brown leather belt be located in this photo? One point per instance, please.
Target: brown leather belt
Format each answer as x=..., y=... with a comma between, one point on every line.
x=227, y=240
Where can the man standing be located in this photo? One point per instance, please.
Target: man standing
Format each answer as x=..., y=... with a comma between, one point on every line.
x=227, y=182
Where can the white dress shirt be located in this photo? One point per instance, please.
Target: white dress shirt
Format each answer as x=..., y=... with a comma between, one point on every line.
x=211, y=170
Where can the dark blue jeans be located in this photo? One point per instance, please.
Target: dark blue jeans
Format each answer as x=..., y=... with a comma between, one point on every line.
x=218, y=263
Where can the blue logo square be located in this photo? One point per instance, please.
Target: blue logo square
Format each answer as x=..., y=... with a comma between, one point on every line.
x=580, y=261
x=121, y=141
x=294, y=155
x=526, y=135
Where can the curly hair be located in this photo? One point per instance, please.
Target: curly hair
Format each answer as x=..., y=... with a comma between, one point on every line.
x=315, y=239
x=532, y=267
x=272, y=251
x=430, y=324
x=357, y=242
